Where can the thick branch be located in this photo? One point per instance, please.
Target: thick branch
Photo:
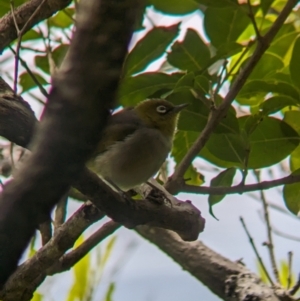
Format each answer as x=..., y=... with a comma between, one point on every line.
x=231, y=281
x=17, y=120
x=133, y=213
x=216, y=115
x=23, y=13
x=71, y=126
x=22, y=284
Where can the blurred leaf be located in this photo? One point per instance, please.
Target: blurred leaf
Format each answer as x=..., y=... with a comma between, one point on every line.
x=62, y=19
x=295, y=63
x=291, y=195
x=292, y=118
x=255, y=88
x=135, y=89
x=191, y=54
x=109, y=293
x=223, y=179
x=37, y=297
x=295, y=159
x=265, y=5
x=175, y=7
x=81, y=274
x=218, y=3
x=42, y=62
x=284, y=274
x=152, y=46
x=276, y=103
x=31, y=35
x=268, y=64
x=261, y=273
x=59, y=53
x=27, y=82
x=5, y=6
x=108, y=251
x=224, y=25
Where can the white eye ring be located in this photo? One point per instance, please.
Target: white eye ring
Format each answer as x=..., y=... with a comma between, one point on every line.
x=161, y=109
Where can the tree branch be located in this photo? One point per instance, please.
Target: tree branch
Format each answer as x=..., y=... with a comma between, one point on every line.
x=290, y=179
x=23, y=14
x=68, y=260
x=231, y=281
x=71, y=127
x=22, y=284
x=216, y=115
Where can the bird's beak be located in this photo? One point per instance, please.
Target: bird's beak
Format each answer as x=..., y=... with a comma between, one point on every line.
x=180, y=107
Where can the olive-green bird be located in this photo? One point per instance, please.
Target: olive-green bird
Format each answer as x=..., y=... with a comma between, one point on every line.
x=135, y=143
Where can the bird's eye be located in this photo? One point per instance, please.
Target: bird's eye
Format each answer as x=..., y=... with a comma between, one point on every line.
x=161, y=109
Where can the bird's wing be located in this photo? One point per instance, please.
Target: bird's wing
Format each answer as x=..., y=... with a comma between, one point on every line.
x=119, y=127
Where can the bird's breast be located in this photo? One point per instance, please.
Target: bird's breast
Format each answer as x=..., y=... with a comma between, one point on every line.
x=133, y=161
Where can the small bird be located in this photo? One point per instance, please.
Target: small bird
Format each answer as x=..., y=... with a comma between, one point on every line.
x=135, y=143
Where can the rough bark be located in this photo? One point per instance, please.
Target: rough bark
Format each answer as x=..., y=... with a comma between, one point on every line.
x=231, y=281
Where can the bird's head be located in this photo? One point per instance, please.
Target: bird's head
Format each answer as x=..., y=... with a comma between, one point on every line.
x=160, y=114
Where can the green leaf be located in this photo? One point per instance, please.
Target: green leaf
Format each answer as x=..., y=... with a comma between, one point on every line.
x=223, y=179
x=228, y=147
x=152, y=46
x=41, y=61
x=37, y=297
x=270, y=134
x=62, y=19
x=5, y=6
x=224, y=25
x=192, y=54
x=109, y=293
x=31, y=35
x=218, y=3
x=135, y=89
x=267, y=65
x=276, y=103
x=254, y=89
x=291, y=195
x=295, y=63
x=27, y=82
x=292, y=118
x=295, y=159
x=80, y=286
x=108, y=251
x=181, y=144
x=265, y=5
x=175, y=7
x=194, y=117
x=59, y=54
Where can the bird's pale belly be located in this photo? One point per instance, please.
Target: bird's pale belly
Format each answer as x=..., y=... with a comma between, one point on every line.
x=129, y=171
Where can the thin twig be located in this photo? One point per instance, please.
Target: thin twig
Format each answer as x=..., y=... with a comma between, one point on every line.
x=256, y=251
x=252, y=18
x=285, y=235
x=31, y=74
x=46, y=231
x=60, y=211
x=68, y=260
x=216, y=116
x=289, y=278
x=239, y=189
x=270, y=244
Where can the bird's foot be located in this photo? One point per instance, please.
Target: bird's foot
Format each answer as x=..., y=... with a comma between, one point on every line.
x=158, y=197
